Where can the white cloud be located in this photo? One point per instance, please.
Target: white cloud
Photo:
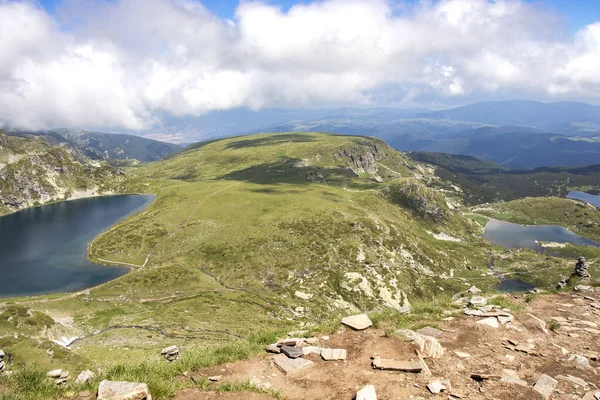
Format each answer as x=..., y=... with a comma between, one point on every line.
x=119, y=63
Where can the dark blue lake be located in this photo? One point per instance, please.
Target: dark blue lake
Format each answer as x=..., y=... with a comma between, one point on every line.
x=515, y=236
x=44, y=250
x=590, y=198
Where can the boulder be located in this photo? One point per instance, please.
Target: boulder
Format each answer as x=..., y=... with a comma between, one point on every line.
x=112, y=390
x=545, y=386
x=289, y=365
x=333, y=354
x=366, y=393
x=357, y=322
x=84, y=376
x=579, y=360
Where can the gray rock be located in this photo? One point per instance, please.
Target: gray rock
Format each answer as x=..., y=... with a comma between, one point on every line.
x=545, y=386
x=112, y=390
x=366, y=393
x=289, y=365
x=171, y=353
x=505, y=319
x=474, y=313
x=333, y=354
x=579, y=360
x=583, y=288
x=427, y=345
x=292, y=352
x=311, y=350
x=84, y=376
x=294, y=342
x=430, y=331
x=474, y=290
x=573, y=380
x=436, y=386
x=397, y=365
x=55, y=373
x=514, y=381
x=478, y=301
x=273, y=348
x=491, y=322
x=357, y=322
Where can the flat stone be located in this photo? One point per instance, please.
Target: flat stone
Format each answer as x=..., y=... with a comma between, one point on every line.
x=514, y=381
x=357, y=322
x=366, y=393
x=313, y=340
x=491, y=322
x=170, y=350
x=572, y=379
x=289, y=365
x=474, y=290
x=292, y=352
x=311, y=350
x=397, y=365
x=333, y=354
x=478, y=301
x=583, y=288
x=84, y=376
x=295, y=342
x=545, y=386
x=485, y=376
x=55, y=373
x=474, y=313
x=112, y=390
x=523, y=348
x=273, y=348
x=430, y=331
x=436, y=386
x=215, y=378
x=505, y=319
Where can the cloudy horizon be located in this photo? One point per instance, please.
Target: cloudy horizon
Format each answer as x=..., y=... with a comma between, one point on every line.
x=123, y=64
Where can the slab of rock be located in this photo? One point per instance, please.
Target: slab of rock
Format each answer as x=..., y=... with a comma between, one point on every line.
x=484, y=376
x=292, y=352
x=490, y=321
x=436, y=386
x=215, y=378
x=505, y=319
x=545, y=386
x=357, y=322
x=428, y=346
x=311, y=350
x=461, y=354
x=84, y=376
x=514, y=380
x=295, y=342
x=579, y=360
x=540, y=323
x=113, y=390
x=291, y=365
x=478, y=301
x=333, y=354
x=55, y=373
x=572, y=379
x=430, y=331
x=273, y=348
x=474, y=313
x=366, y=393
x=397, y=365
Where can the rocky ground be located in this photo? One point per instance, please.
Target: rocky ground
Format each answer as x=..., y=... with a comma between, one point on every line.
x=551, y=346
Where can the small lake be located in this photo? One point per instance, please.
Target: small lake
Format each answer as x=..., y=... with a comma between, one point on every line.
x=44, y=250
x=515, y=236
x=590, y=198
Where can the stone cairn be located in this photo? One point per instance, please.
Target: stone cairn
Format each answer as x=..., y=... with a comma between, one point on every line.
x=581, y=268
x=171, y=353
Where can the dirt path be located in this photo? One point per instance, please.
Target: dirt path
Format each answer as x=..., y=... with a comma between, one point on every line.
x=489, y=349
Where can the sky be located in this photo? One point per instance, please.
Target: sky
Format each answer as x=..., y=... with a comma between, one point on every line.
x=125, y=63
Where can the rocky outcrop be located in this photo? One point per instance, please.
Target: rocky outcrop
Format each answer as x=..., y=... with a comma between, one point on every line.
x=362, y=161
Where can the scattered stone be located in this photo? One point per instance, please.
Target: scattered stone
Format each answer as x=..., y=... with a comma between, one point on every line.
x=357, y=322
x=55, y=373
x=572, y=379
x=170, y=353
x=583, y=288
x=215, y=378
x=333, y=354
x=513, y=342
x=112, y=390
x=308, y=350
x=478, y=301
x=474, y=313
x=474, y=290
x=436, y=386
x=490, y=321
x=513, y=380
x=292, y=352
x=397, y=365
x=461, y=354
x=428, y=346
x=273, y=348
x=366, y=393
x=545, y=386
x=289, y=365
x=523, y=348
x=312, y=340
x=484, y=377
x=430, y=331
x=84, y=376
x=294, y=342
x=579, y=360
x=505, y=319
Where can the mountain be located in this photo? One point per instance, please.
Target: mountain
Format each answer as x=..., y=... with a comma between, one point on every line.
x=106, y=146
x=41, y=169
x=559, y=117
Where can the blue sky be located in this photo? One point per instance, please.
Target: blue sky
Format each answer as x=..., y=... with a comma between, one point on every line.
x=577, y=12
